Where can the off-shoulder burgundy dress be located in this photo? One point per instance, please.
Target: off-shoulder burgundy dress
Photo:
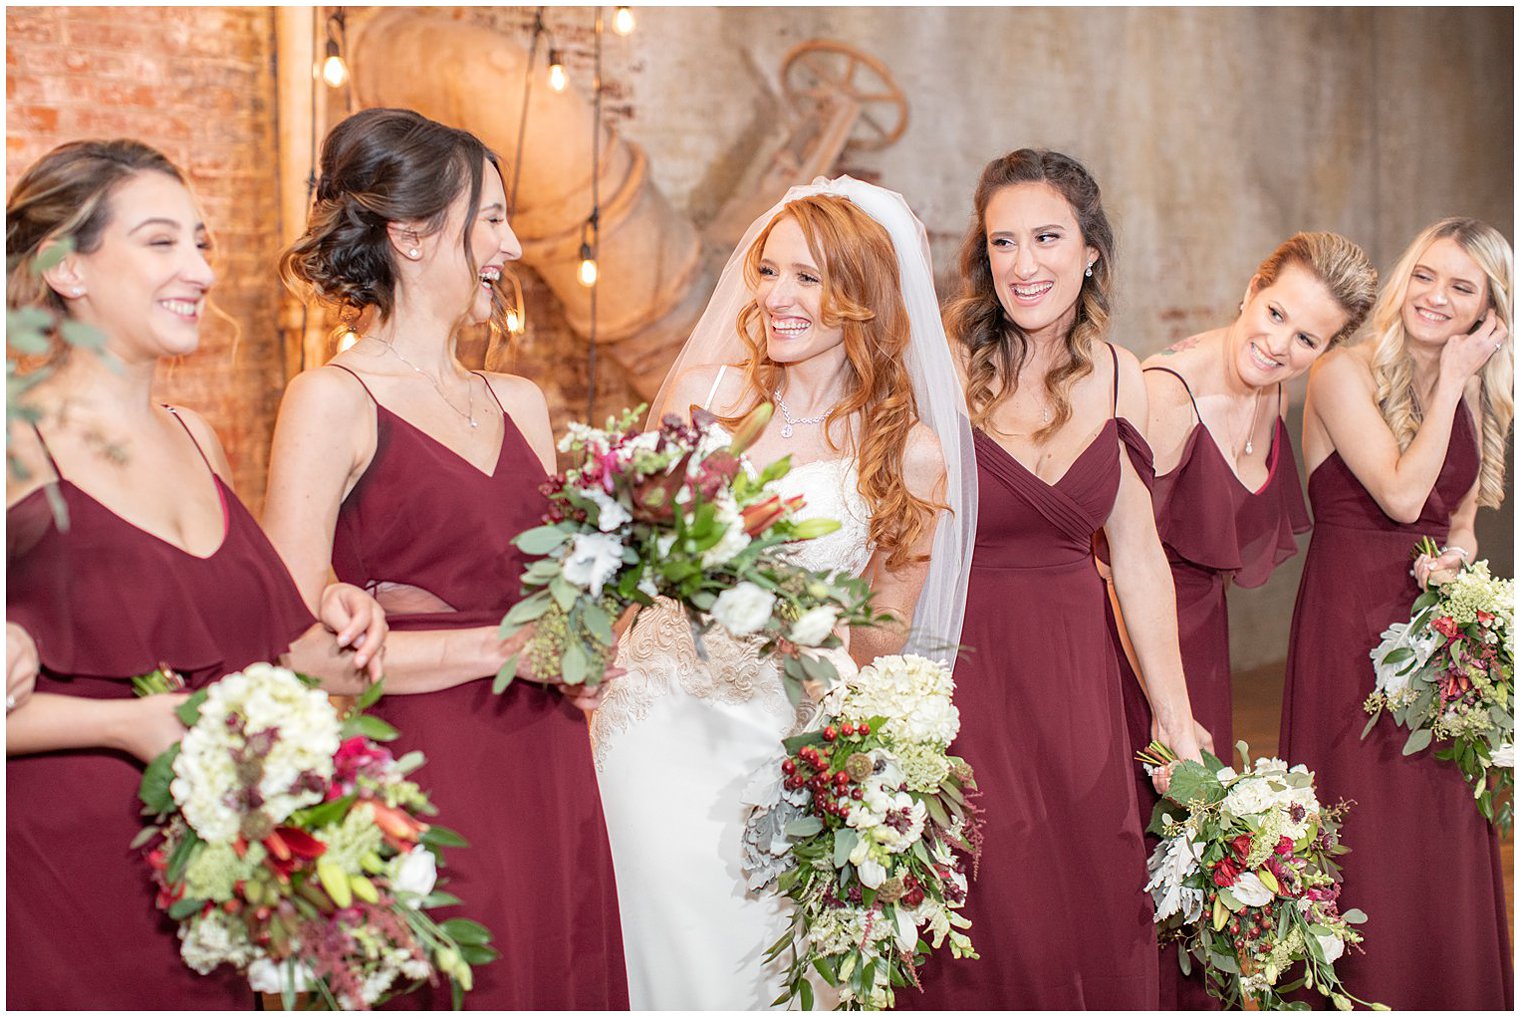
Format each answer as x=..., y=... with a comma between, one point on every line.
x=1215, y=531
x=1059, y=914
x=511, y=773
x=104, y=601
x=1424, y=865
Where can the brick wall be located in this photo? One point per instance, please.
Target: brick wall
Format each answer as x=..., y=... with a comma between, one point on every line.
x=198, y=83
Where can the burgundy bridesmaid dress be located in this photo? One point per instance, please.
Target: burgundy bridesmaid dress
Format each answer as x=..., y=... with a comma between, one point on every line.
x=1058, y=911
x=105, y=600
x=511, y=773
x=1215, y=532
x=1424, y=865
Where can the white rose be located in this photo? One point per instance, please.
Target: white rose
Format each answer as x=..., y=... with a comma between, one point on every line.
x=416, y=874
x=814, y=626
x=264, y=975
x=594, y=558
x=744, y=609
x=1251, y=891
x=1332, y=948
x=610, y=513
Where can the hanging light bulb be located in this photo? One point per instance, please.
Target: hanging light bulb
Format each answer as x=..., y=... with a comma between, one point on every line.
x=588, y=267
x=334, y=70
x=622, y=21
x=558, y=79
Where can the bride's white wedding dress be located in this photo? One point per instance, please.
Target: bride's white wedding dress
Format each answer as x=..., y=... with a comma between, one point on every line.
x=677, y=741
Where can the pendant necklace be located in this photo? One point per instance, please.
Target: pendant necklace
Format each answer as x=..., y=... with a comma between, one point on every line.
x=468, y=415
x=790, y=421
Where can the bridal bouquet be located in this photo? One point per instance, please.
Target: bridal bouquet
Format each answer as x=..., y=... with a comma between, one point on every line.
x=1448, y=674
x=863, y=829
x=679, y=513
x=289, y=845
x=1243, y=879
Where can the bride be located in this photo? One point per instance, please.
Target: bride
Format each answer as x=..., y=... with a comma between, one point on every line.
x=827, y=309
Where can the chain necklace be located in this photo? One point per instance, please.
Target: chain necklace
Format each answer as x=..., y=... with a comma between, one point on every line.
x=1250, y=426
x=786, y=428
x=468, y=415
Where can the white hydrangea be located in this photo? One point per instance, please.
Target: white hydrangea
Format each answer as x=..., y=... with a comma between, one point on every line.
x=215, y=938
x=610, y=514
x=593, y=559
x=913, y=693
x=305, y=734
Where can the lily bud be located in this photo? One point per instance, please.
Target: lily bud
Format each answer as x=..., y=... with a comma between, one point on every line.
x=810, y=529
x=759, y=516
x=750, y=427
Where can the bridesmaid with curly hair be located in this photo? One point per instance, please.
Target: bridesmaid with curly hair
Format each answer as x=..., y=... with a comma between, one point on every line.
x=1042, y=714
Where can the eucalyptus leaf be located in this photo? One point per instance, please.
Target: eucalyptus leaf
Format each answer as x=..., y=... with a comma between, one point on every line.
x=1418, y=739
x=540, y=540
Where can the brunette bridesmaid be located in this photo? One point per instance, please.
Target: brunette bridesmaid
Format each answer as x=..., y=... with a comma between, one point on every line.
x=409, y=475
x=1226, y=492
x=1405, y=437
x=1058, y=911
x=126, y=549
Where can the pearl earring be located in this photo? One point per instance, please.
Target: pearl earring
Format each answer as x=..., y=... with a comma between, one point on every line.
x=413, y=253
x=77, y=290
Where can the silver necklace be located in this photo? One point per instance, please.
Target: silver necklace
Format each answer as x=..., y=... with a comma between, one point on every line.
x=791, y=421
x=467, y=415
x=1251, y=424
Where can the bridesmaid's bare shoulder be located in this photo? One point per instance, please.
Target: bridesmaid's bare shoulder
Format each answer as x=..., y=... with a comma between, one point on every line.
x=1343, y=371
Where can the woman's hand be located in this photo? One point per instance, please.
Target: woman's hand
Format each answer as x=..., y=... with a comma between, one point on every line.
x=21, y=666
x=1434, y=570
x=1464, y=355
x=358, y=621
x=1183, y=740
x=154, y=726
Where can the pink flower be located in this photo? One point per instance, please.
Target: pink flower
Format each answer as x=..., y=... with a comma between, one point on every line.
x=357, y=757
x=1284, y=846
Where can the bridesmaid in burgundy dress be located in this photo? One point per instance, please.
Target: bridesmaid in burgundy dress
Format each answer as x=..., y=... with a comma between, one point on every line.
x=410, y=476
x=1226, y=492
x=1058, y=910
x=155, y=562
x=1404, y=437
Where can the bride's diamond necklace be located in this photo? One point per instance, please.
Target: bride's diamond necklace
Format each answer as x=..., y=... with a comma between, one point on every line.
x=467, y=415
x=791, y=421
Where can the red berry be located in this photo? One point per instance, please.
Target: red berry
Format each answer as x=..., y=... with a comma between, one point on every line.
x=830, y=733
x=864, y=729
x=858, y=793
x=848, y=728
x=788, y=767
x=841, y=778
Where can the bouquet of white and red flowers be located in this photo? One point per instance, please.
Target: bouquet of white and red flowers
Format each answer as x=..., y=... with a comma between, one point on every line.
x=679, y=513
x=1243, y=879
x=288, y=843
x=864, y=826
x=1448, y=674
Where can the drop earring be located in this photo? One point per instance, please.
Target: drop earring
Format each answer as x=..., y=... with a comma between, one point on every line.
x=1088, y=273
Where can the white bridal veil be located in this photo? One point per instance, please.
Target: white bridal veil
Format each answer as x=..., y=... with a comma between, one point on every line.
x=936, y=626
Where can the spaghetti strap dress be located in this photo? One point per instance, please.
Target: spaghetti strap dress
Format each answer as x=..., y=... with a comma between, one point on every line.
x=512, y=773
x=1215, y=532
x=1424, y=864
x=105, y=600
x=1058, y=911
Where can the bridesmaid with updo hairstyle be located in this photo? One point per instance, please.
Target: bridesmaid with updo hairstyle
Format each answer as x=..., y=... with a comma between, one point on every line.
x=126, y=550
x=1405, y=437
x=1226, y=493
x=408, y=475
x=1038, y=688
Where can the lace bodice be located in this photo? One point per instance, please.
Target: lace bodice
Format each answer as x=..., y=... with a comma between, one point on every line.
x=660, y=655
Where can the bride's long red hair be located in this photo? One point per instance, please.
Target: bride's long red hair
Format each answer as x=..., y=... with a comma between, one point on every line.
x=862, y=293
